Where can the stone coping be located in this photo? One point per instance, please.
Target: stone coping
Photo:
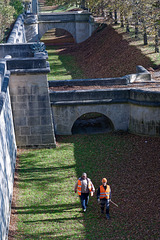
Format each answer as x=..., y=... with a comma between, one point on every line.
x=142, y=75
x=26, y=63
x=89, y=82
x=103, y=96
x=4, y=83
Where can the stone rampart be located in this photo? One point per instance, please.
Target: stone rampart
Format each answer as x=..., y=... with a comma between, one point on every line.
x=137, y=111
x=30, y=102
x=7, y=152
x=18, y=33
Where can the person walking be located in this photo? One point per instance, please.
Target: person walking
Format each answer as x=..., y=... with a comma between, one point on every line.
x=84, y=186
x=104, y=197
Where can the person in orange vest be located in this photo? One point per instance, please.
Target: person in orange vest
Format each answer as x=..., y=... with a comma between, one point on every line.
x=84, y=186
x=104, y=197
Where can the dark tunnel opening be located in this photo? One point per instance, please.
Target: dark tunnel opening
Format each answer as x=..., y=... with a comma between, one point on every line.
x=92, y=123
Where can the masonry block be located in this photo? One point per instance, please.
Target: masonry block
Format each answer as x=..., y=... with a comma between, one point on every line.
x=31, y=94
x=47, y=139
x=41, y=130
x=33, y=121
x=26, y=131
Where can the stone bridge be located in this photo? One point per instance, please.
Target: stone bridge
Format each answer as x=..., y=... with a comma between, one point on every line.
x=79, y=24
x=115, y=109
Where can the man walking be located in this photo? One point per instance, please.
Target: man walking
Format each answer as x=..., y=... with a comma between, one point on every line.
x=84, y=186
x=104, y=196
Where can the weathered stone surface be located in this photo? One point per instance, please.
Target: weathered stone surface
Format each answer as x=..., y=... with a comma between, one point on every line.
x=7, y=156
x=137, y=111
x=30, y=93
x=80, y=25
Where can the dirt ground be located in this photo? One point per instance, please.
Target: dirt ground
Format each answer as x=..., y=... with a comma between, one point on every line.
x=105, y=54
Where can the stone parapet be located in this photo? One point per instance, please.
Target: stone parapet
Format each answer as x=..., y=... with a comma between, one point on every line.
x=7, y=153
x=19, y=50
x=84, y=95
x=90, y=82
x=140, y=108
x=18, y=33
x=26, y=63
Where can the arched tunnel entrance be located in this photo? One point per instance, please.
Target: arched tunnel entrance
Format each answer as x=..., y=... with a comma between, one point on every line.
x=91, y=123
x=57, y=36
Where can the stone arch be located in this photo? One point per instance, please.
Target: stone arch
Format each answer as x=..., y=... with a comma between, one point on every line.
x=59, y=36
x=44, y=27
x=92, y=122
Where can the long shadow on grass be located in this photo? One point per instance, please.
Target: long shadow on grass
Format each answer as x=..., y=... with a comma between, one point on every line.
x=126, y=163
x=66, y=65
x=41, y=209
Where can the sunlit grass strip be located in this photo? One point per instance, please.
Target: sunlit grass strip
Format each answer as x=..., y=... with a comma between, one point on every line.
x=48, y=208
x=47, y=205
x=63, y=67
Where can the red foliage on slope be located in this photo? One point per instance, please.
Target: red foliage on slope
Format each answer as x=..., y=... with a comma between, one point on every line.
x=107, y=54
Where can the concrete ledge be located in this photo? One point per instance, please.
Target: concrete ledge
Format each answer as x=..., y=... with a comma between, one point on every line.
x=103, y=96
x=142, y=75
x=16, y=50
x=89, y=95
x=90, y=82
x=26, y=63
x=30, y=71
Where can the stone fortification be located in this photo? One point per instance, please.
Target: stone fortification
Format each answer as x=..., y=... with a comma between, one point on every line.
x=128, y=109
x=23, y=77
x=18, y=33
x=29, y=89
x=30, y=102
x=7, y=152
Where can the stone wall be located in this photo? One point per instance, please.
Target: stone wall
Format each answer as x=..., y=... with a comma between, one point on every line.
x=31, y=105
x=144, y=112
x=7, y=153
x=137, y=111
x=18, y=33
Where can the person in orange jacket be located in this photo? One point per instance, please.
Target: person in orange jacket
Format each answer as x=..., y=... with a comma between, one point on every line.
x=84, y=186
x=104, y=197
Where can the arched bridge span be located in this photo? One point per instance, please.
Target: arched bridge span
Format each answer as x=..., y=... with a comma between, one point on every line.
x=79, y=24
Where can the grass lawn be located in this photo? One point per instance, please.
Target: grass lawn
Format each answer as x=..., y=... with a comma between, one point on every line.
x=63, y=67
x=47, y=207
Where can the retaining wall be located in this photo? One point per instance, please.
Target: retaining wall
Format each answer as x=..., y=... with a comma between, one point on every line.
x=18, y=33
x=137, y=111
x=30, y=102
x=7, y=152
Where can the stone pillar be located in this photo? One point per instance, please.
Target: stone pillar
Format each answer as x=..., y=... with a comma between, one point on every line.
x=31, y=108
x=35, y=6
x=31, y=28
x=82, y=26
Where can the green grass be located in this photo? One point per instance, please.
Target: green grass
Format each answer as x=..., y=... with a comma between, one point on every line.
x=63, y=67
x=61, y=8
x=48, y=208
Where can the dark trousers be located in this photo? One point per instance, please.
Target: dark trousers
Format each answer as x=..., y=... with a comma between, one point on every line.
x=104, y=202
x=84, y=200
